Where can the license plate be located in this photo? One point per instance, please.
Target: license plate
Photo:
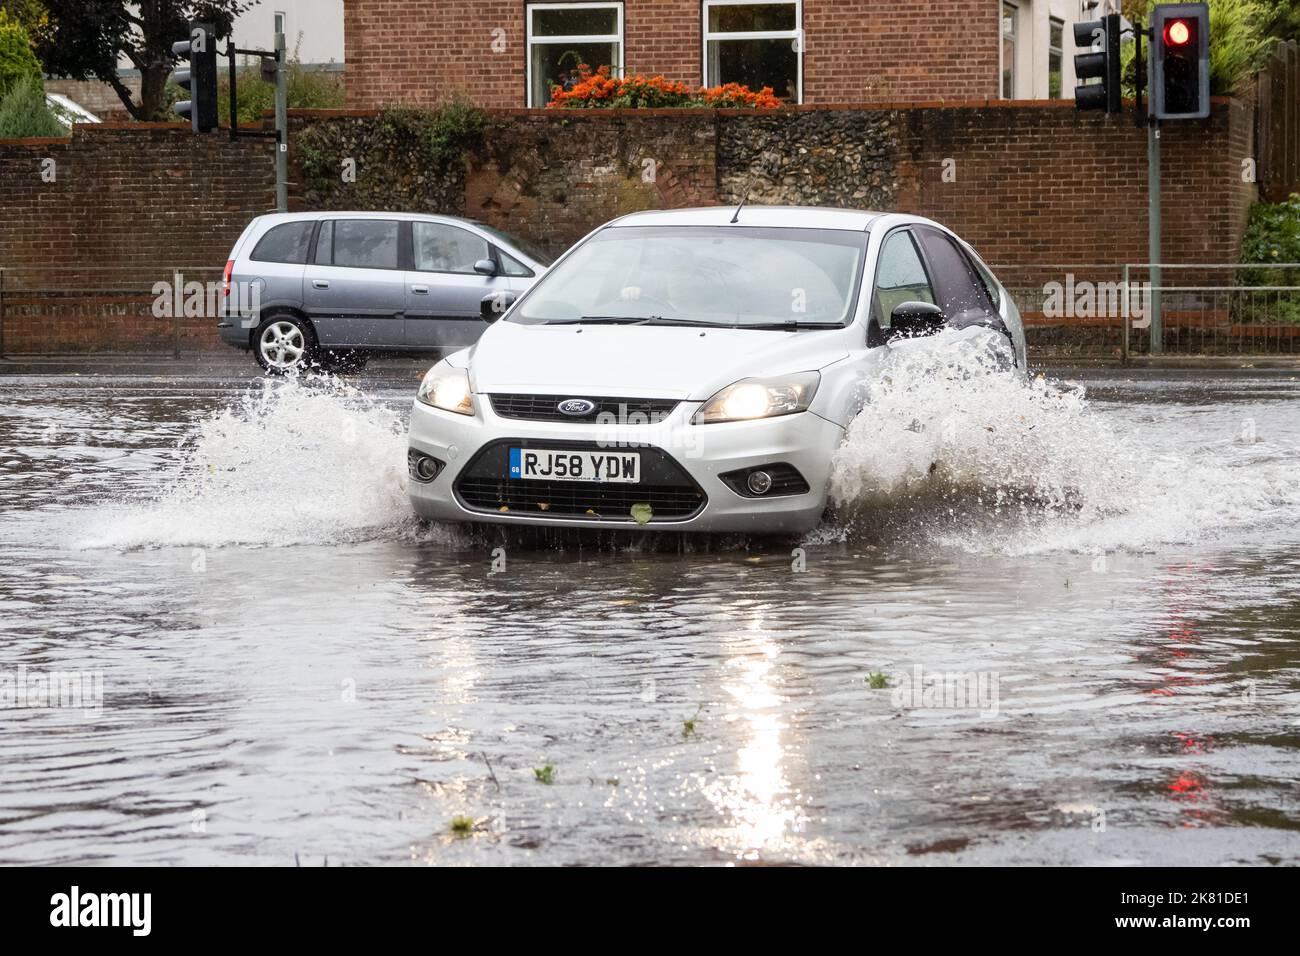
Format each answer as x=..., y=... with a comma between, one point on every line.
x=569, y=465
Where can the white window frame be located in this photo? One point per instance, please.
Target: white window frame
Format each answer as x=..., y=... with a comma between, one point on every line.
x=1014, y=37
x=796, y=35
x=530, y=40
x=1059, y=51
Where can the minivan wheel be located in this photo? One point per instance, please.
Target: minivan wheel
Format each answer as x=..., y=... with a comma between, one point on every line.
x=284, y=343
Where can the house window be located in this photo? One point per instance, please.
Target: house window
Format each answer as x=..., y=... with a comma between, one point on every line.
x=562, y=37
x=1010, y=13
x=1055, y=35
x=755, y=44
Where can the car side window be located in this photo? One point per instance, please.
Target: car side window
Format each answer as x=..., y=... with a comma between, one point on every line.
x=286, y=242
x=443, y=248
x=900, y=276
x=511, y=266
x=960, y=290
x=366, y=243
x=325, y=244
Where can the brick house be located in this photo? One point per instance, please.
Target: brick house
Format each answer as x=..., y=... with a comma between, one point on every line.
x=508, y=53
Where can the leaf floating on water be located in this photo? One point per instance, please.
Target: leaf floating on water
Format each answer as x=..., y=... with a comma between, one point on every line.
x=642, y=512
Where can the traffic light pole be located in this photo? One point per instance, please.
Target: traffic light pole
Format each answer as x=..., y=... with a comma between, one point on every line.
x=280, y=133
x=1156, y=335
x=1156, y=330
x=281, y=121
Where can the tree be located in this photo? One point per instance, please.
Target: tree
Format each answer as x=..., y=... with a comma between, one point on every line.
x=17, y=61
x=1281, y=19
x=84, y=39
x=30, y=13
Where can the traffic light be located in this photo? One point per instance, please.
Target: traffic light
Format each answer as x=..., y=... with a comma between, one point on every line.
x=1180, y=61
x=1100, y=64
x=200, y=80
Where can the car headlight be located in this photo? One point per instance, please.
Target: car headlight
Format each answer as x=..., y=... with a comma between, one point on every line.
x=752, y=398
x=447, y=388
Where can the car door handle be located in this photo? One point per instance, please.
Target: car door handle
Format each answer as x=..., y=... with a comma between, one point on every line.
x=321, y=283
x=420, y=289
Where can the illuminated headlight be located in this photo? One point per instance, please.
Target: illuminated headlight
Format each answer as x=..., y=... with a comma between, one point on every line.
x=447, y=388
x=753, y=398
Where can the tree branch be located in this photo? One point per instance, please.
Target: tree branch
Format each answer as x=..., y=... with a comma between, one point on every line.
x=124, y=94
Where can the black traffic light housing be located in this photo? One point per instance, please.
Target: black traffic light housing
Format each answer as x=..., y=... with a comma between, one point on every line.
x=1102, y=64
x=1180, y=61
x=200, y=80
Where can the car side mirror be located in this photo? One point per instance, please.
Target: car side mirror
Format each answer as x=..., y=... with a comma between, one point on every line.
x=485, y=267
x=913, y=319
x=493, y=305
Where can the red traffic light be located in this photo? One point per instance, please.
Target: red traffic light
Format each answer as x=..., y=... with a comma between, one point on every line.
x=1177, y=33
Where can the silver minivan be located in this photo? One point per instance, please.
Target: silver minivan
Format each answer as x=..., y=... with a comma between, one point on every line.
x=329, y=288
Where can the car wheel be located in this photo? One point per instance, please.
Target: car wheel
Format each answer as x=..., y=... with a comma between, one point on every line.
x=284, y=343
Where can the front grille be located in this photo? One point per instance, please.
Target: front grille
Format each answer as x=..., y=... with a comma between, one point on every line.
x=669, y=491
x=611, y=411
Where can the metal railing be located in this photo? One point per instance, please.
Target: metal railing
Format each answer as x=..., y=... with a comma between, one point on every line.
x=1204, y=309
x=1212, y=309
x=1070, y=310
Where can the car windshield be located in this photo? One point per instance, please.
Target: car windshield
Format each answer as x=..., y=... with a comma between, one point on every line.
x=526, y=246
x=706, y=275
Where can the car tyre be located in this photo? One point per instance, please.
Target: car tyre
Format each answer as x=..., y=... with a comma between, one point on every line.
x=284, y=343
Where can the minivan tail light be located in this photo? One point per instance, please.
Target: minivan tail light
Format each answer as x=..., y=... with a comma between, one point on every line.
x=225, y=277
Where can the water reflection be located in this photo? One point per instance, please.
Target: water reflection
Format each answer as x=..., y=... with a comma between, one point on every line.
x=759, y=801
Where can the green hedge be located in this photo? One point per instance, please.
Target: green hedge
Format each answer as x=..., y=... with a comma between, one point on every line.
x=1273, y=236
x=24, y=113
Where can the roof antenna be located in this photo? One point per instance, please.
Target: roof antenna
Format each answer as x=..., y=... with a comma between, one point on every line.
x=743, y=199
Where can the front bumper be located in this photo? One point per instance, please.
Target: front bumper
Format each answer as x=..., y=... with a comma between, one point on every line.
x=698, y=454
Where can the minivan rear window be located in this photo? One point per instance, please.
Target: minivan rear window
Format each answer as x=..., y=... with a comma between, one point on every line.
x=286, y=242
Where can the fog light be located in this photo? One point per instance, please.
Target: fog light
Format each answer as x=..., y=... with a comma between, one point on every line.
x=421, y=467
x=759, y=482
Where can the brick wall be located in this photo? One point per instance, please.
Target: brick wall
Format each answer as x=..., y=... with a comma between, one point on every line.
x=128, y=205
x=1038, y=182
x=420, y=52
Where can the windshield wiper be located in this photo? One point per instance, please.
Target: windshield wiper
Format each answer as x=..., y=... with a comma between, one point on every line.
x=790, y=326
x=601, y=320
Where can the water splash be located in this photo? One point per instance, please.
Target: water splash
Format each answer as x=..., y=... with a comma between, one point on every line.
x=310, y=460
x=952, y=448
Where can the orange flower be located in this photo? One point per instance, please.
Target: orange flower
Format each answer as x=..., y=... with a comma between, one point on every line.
x=599, y=89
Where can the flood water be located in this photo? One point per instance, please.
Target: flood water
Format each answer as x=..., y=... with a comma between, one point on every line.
x=1084, y=612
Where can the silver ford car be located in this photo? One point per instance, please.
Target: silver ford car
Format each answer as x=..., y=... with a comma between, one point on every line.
x=327, y=288
x=693, y=369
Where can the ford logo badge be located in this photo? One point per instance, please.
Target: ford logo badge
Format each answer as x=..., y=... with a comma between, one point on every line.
x=576, y=407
